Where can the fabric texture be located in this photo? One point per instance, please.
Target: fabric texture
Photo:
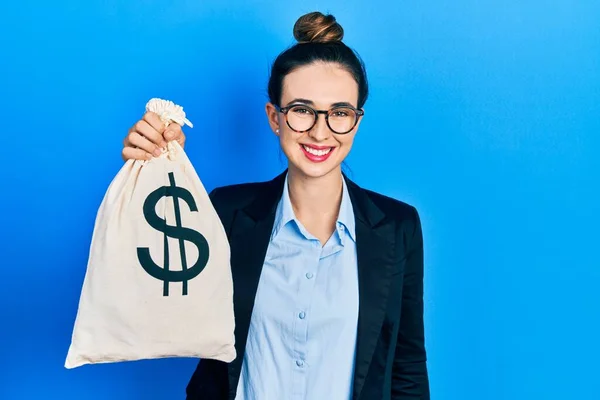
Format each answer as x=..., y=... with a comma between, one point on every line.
x=158, y=281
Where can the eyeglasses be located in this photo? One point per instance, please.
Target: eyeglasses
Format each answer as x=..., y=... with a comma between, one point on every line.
x=302, y=118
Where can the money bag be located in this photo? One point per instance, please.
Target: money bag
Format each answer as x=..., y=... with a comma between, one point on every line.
x=158, y=279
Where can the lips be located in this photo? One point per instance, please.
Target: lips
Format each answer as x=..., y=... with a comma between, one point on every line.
x=317, y=153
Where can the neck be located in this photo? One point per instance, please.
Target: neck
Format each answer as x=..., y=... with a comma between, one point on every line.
x=316, y=199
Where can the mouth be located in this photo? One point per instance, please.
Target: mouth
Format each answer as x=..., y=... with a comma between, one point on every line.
x=317, y=153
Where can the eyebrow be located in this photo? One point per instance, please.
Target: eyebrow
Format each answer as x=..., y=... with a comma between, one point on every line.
x=312, y=103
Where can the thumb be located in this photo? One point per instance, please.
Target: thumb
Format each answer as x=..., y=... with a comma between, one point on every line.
x=173, y=132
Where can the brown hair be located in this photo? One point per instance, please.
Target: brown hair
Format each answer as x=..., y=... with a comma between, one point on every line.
x=318, y=28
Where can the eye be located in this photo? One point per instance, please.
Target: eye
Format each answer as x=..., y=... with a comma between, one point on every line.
x=341, y=112
x=301, y=110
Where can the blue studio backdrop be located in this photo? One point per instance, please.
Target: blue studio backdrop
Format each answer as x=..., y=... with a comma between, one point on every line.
x=485, y=115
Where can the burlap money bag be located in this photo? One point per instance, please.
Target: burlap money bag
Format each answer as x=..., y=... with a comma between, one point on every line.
x=158, y=280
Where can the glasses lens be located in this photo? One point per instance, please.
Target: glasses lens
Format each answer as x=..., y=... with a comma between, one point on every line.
x=341, y=119
x=301, y=118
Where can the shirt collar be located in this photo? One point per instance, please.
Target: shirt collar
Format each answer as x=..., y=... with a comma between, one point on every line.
x=345, y=220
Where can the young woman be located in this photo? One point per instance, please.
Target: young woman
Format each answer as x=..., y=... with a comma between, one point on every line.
x=328, y=276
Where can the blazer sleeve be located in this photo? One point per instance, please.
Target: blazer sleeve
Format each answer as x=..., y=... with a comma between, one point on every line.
x=210, y=378
x=409, y=373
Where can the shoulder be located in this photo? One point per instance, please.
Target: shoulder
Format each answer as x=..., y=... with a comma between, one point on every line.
x=392, y=208
x=397, y=210
x=227, y=200
x=235, y=196
x=405, y=216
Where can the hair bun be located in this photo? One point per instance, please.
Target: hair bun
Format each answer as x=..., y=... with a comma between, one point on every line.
x=316, y=27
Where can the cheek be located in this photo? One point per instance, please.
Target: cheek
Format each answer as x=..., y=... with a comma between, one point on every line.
x=288, y=141
x=286, y=137
x=346, y=142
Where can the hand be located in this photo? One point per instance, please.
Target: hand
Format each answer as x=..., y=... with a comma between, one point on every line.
x=145, y=139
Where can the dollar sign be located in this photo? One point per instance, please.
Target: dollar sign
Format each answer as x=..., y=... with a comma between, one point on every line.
x=177, y=232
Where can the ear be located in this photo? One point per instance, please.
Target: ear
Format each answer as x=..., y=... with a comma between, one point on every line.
x=273, y=117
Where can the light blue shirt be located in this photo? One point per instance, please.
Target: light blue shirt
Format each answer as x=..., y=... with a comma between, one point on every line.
x=302, y=335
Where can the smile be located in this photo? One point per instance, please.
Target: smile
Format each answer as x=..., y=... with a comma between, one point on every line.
x=316, y=154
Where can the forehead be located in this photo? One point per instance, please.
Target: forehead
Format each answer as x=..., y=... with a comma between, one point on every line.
x=323, y=83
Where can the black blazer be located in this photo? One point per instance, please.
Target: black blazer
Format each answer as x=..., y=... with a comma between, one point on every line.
x=390, y=352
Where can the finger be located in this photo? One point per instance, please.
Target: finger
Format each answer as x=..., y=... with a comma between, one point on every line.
x=136, y=154
x=137, y=140
x=181, y=140
x=143, y=128
x=173, y=132
x=154, y=121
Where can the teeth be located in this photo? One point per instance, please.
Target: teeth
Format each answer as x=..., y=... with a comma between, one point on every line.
x=316, y=152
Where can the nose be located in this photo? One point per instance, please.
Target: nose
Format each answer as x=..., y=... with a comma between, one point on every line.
x=320, y=131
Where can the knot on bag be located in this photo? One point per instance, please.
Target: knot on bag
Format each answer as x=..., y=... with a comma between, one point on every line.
x=168, y=112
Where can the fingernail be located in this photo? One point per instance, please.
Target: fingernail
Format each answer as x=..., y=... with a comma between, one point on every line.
x=157, y=152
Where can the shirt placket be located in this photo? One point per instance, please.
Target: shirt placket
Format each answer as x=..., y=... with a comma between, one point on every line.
x=301, y=319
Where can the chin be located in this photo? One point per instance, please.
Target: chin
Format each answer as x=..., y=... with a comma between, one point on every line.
x=314, y=173
x=313, y=170
x=311, y=166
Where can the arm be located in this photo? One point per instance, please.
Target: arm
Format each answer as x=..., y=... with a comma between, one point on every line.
x=210, y=379
x=409, y=373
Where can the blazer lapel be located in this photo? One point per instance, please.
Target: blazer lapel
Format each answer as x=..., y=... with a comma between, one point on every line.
x=250, y=235
x=374, y=247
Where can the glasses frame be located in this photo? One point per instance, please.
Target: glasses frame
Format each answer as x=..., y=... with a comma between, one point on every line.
x=358, y=112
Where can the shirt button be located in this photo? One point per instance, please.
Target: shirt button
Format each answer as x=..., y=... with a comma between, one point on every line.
x=299, y=363
x=309, y=275
x=302, y=315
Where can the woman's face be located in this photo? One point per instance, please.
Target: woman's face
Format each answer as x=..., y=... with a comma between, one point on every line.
x=319, y=151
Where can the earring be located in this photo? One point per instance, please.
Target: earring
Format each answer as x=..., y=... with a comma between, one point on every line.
x=277, y=130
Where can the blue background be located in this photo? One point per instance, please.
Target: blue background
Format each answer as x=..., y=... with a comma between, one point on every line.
x=485, y=115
